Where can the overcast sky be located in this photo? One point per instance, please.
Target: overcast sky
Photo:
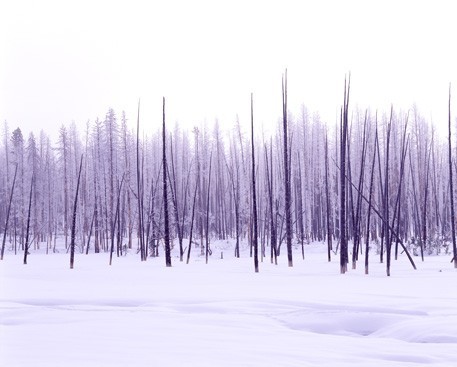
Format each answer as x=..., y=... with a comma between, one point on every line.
x=64, y=61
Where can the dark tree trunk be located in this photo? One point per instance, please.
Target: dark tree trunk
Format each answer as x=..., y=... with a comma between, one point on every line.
x=386, y=198
x=254, y=196
x=381, y=217
x=26, y=247
x=73, y=224
x=357, y=220
x=396, y=215
x=139, y=188
x=207, y=249
x=370, y=198
x=90, y=232
x=327, y=200
x=273, y=234
x=299, y=200
x=451, y=183
x=191, y=223
x=424, y=207
x=8, y=213
x=116, y=221
x=344, y=257
x=165, y=193
x=287, y=188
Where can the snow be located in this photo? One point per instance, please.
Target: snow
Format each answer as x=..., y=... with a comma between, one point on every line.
x=137, y=313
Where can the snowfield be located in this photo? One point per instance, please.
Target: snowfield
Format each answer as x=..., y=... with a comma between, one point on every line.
x=137, y=313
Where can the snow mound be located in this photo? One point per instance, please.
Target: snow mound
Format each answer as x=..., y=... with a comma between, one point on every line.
x=423, y=330
x=323, y=319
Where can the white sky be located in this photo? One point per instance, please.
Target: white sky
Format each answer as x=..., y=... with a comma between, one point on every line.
x=64, y=61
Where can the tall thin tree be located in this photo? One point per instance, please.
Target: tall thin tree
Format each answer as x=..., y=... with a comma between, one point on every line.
x=207, y=249
x=287, y=187
x=344, y=257
x=8, y=213
x=139, y=188
x=73, y=224
x=165, y=191
x=451, y=184
x=254, y=196
x=327, y=200
x=191, y=224
x=27, y=231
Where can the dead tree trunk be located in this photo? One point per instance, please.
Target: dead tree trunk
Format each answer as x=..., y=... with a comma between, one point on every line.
x=116, y=221
x=396, y=214
x=139, y=188
x=287, y=189
x=8, y=213
x=370, y=198
x=73, y=224
x=27, y=231
x=273, y=234
x=327, y=200
x=207, y=249
x=357, y=235
x=344, y=256
x=254, y=196
x=381, y=217
x=299, y=200
x=451, y=183
x=165, y=193
x=191, y=223
x=424, y=207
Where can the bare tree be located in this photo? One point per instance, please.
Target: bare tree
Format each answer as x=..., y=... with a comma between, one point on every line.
x=26, y=247
x=207, y=249
x=327, y=201
x=191, y=224
x=451, y=184
x=287, y=186
x=273, y=235
x=165, y=192
x=73, y=224
x=8, y=213
x=344, y=258
x=254, y=196
x=139, y=180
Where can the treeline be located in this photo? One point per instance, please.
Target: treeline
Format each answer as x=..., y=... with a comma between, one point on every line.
x=372, y=180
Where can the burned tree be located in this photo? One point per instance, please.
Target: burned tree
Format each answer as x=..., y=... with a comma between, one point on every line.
x=8, y=213
x=344, y=257
x=451, y=184
x=165, y=192
x=254, y=197
x=287, y=186
x=73, y=224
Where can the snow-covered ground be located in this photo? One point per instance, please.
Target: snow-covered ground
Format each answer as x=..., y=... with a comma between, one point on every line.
x=137, y=313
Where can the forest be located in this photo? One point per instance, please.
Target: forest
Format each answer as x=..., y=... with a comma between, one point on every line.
x=371, y=186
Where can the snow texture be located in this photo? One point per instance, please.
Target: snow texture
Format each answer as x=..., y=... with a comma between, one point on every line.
x=137, y=313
